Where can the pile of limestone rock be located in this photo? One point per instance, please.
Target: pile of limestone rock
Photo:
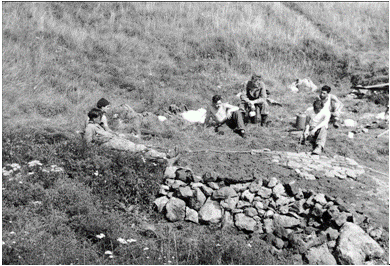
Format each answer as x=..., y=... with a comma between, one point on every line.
x=322, y=229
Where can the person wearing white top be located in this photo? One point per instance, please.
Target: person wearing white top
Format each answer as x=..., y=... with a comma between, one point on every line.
x=332, y=103
x=225, y=113
x=316, y=129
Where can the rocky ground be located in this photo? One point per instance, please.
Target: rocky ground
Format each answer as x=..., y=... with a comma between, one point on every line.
x=319, y=183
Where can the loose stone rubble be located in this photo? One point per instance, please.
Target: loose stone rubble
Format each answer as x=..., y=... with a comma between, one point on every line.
x=318, y=227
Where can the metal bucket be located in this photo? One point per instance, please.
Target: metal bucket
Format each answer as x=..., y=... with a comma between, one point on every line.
x=301, y=121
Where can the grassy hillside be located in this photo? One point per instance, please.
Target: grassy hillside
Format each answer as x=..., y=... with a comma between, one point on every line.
x=59, y=58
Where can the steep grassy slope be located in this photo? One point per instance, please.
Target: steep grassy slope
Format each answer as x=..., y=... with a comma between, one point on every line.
x=59, y=58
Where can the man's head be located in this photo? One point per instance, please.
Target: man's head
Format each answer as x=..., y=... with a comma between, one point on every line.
x=318, y=105
x=217, y=100
x=103, y=104
x=95, y=115
x=325, y=90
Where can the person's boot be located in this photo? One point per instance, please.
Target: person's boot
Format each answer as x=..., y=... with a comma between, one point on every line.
x=264, y=119
x=317, y=150
x=336, y=124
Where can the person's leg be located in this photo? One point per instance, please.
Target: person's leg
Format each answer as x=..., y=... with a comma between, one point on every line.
x=264, y=111
x=124, y=145
x=320, y=138
x=236, y=122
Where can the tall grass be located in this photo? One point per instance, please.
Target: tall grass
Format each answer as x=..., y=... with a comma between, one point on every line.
x=155, y=53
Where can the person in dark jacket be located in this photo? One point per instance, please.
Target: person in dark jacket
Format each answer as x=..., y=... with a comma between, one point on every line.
x=254, y=101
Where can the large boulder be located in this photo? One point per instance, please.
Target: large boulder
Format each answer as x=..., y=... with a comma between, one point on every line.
x=176, y=209
x=211, y=212
x=355, y=246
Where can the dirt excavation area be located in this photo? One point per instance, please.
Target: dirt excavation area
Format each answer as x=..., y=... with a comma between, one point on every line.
x=363, y=188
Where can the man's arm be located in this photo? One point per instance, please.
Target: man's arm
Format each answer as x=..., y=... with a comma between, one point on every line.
x=337, y=103
x=323, y=123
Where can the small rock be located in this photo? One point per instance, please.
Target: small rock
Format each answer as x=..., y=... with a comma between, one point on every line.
x=255, y=185
x=250, y=212
x=248, y=196
x=341, y=219
x=209, y=177
x=169, y=182
x=268, y=226
x=318, y=210
x=178, y=183
x=284, y=209
x=213, y=185
x=176, y=209
x=285, y=221
x=272, y=182
x=320, y=255
x=244, y=222
x=240, y=187
x=278, y=243
x=208, y=191
x=185, y=192
x=170, y=172
x=278, y=190
x=224, y=193
x=320, y=198
x=191, y=215
x=264, y=192
x=230, y=203
x=160, y=203
x=242, y=204
x=376, y=233
x=258, y=205
x=211, y=212
x=227, y=221
x=269, y=214
x=331, y=233
x=292, y=188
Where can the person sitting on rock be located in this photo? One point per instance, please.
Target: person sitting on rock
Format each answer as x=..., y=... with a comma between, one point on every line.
x=332, y=103
x=316, y=127
x=223, y=113
x=254, y=101
x=95, y=133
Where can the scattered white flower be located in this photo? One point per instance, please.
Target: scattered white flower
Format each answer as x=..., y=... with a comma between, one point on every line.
x=169, y=261
x=146, y=248
x=15, y=166
x=147, y=257
x=249, y=245
x=13, y=242
x=30, y=173
x=7, y=173
x=131, y=240
x=45, y=170
x=34, y=163
x=218, y=245
x=20, y=182
x=96, y=173
x=111, y=256
x=100, y=236
x=3, y=243
x=37, y=203
x=108, y=252
x=122, y=241
x=12, y=233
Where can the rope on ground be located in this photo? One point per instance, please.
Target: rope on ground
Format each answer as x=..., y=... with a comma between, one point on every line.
x=373, y=170
x=253, y=151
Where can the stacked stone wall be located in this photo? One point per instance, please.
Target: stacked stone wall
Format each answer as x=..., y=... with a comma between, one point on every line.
x=311, y=223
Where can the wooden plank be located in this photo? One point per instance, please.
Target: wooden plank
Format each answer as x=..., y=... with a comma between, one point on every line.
x=384, y=86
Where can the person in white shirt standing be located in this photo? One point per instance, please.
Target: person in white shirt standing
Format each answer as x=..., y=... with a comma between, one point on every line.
x=316, y=129
x=225, y=113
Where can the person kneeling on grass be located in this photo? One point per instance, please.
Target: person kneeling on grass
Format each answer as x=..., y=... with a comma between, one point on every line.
x=223, y=113
x=95, y=133
x=316, y=126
